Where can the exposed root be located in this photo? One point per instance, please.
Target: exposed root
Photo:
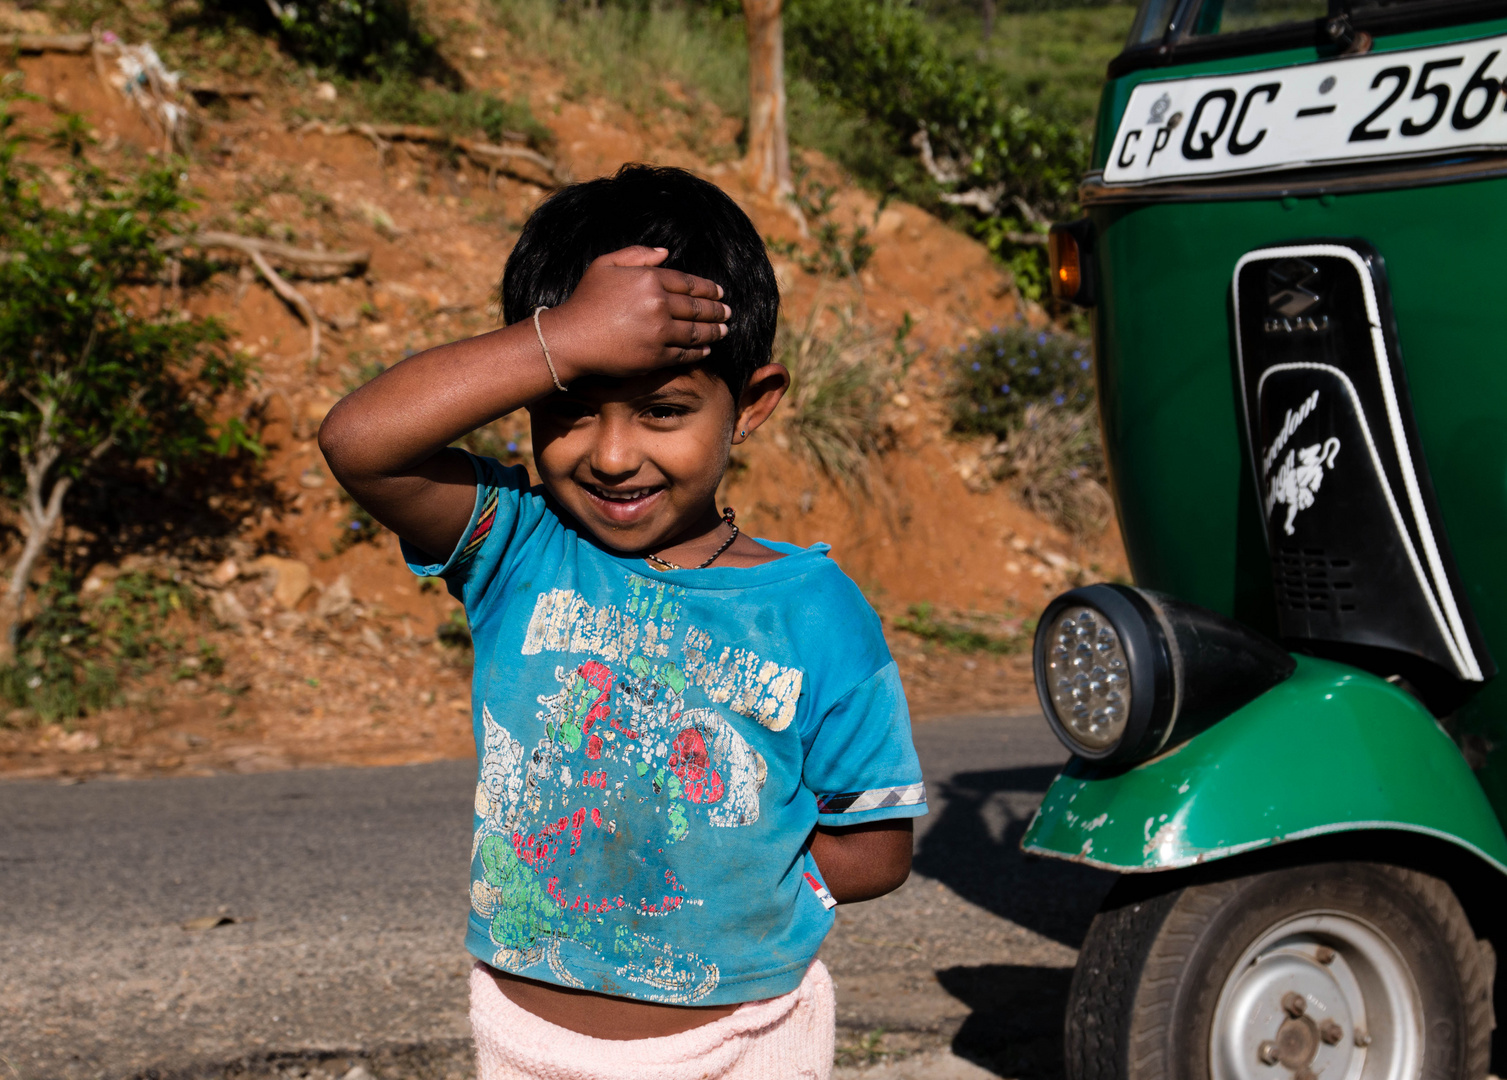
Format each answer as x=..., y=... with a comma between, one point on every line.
x=490, y=156
x=41, y=43
x=334, y=263
x=292, y=296
x=313, y=265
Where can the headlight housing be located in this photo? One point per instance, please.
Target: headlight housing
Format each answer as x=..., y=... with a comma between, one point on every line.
x=1123, y=673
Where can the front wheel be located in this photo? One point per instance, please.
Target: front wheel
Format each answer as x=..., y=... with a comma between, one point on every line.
x=1331, y=971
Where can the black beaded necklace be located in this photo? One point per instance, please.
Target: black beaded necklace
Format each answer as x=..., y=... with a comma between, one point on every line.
x=727, y=516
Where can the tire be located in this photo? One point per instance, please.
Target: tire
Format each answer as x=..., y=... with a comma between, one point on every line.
x=1333, y=971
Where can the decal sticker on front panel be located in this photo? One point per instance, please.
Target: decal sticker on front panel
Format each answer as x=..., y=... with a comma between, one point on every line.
x=1358, y=550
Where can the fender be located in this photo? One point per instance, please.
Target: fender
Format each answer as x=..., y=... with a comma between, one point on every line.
x=1332, y=749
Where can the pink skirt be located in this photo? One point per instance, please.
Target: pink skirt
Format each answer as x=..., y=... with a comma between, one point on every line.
x=784, y=1038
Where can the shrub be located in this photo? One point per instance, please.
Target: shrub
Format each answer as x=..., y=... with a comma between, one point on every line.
x=839, y=252
x=881, y=57
x=999, y=375
x=359, y=37
x=1056, y=457
x=58, y=675
x=77, y=652
x=1031, y=395
x=88, y=381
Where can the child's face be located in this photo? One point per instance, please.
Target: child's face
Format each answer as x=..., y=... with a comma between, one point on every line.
x=637, y=461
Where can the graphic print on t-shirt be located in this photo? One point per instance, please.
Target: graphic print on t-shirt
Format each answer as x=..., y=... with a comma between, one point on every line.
x=624, y=770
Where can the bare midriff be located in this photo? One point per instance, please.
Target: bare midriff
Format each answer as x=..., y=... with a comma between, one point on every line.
x=602, y=1016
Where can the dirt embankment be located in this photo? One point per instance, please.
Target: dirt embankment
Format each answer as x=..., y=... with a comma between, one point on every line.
x=330, y=654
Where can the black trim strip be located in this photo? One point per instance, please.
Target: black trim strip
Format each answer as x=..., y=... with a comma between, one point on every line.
x=1308, y=182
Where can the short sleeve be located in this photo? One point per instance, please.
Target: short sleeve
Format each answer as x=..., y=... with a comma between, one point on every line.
x=499, y=491
x=862, y=763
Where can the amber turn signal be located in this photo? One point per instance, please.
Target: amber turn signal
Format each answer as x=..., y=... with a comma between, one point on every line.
x=1069, y=249
x=1067, y=270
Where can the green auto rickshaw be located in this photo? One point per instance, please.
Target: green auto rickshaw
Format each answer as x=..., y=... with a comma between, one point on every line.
x=1290, y=736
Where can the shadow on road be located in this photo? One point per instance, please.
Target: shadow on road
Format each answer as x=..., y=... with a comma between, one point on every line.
x=974, y=848
x=1015, y=1028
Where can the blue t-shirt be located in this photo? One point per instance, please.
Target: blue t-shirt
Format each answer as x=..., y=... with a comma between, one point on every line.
x=655, y=749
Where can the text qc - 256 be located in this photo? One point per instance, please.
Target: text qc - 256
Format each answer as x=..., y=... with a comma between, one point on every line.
x=1386, y=105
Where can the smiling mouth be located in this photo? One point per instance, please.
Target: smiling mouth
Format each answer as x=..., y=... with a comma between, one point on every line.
x=623, y=505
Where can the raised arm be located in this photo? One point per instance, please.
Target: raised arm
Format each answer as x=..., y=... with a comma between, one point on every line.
x=860, y=862
x=386, y=442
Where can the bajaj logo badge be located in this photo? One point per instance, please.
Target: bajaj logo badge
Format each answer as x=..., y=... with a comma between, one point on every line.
x=1291, y=292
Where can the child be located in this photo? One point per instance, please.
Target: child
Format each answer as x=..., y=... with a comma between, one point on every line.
x=692, y=744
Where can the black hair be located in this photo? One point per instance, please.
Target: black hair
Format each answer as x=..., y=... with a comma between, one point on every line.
x=707, y=234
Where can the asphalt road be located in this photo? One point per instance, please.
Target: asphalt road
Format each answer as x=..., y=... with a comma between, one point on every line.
x=347, y=893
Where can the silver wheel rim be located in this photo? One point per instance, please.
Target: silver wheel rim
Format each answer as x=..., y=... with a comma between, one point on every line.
x=1321, y=996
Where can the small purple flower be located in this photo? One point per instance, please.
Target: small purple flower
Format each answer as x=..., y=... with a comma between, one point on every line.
x=1034, y=371
x=1077, y=354
x=977, y=365
x=1004, y=388
x=1083, y=365
x=993, y=329
x=1032, y=354
x=355, y=525
x=1041, y=339
x=1057, y=399
x=512, y=448
x=1072, y=474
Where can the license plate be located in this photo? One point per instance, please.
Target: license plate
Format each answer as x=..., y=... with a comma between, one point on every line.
x=1363, y=108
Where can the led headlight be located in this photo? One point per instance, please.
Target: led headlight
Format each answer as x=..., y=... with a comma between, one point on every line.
x=1120, y=670
x=1088, y=677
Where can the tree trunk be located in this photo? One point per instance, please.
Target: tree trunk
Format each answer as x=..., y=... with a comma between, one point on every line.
x=768, y=163
x=987, y=11
x=40, y=516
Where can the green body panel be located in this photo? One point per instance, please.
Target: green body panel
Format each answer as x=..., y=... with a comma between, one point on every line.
x=1184, y=490
x=1332, y=749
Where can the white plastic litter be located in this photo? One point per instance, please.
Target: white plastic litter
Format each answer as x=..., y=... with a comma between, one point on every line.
x=143, y=78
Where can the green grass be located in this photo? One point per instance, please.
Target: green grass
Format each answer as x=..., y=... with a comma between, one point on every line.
x=839, y=380
x=1053, y=61
x=921, y=620
x=628, y=53
x=464, y=113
